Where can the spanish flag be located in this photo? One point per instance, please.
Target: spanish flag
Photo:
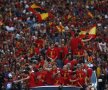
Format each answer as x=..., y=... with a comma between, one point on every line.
x=40, y=12
x=91, y=32
x=60, y=28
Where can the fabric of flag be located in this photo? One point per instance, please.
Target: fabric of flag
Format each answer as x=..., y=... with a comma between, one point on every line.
x=60, y=28
x=40, y=12
x=91, y=32
x=68, y=17
x=90, y=14
x=51, y=24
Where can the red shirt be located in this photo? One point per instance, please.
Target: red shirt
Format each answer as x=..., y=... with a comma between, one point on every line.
x=31, y=80
x=73, y=63
x=37, y=50
x=52, y=53
x=66, y=61
x=79, y=52
x=41, y=78
x=66, y=76
x=59, y=81
x=40, y=43
x=41, y=62
x=89, y=72
x=81, y=81
x=49, y=78
x=40, y=83
x=75, y=83
x=75, y=42
x=64, y=51
x=81, y=73
x=58, y=49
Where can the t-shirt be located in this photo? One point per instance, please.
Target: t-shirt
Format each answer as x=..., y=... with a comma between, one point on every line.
x=52, y=53
x=32, y=80
x=49, y=78
x=59, y=81
x=75, y=42
x=89, y=72
x=10, y=29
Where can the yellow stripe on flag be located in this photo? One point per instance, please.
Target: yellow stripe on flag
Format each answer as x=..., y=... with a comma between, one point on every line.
x=44, y=16
x=83, y=33
x=60, y=28
x=35, y=6
x=92, y=31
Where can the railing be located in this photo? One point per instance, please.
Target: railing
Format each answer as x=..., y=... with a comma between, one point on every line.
x=56, y=88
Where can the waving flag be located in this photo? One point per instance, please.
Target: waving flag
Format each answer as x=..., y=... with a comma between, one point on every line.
x=60, y=28
x=91, y=32
x=40, y=12
x=90, y=14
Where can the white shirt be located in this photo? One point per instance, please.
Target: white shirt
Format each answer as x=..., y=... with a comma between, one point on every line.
x=102, y=46
x=10, y=29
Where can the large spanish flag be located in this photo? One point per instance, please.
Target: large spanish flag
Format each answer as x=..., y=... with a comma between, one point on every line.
x=40, y=12
x=91, y=32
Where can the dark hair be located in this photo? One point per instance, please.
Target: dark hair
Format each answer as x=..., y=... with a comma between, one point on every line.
x=28, y=69
x=76, y=34
x=26, y=72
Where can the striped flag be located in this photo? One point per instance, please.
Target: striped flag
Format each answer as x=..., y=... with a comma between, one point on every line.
x=91, y=32
x=60, y=28
x=40, y=12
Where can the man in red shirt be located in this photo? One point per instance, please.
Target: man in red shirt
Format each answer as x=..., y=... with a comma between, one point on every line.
x=89, y=72
x=73, y=63
x=64, y=49
x=65, y=73
x=51, y=74
x=31, y=79
x=52, y=53
x=74, y=80
x=40, y=77
x=30, y=76
x=49, y=78
x=59, y=80
x=40, y=43
x=36, y=49
x=75, y=43
x=82, y=77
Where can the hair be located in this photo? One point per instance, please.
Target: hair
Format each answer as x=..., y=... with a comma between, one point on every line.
x=76, y=34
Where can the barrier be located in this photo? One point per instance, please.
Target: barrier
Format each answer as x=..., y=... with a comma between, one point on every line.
x=55, y=88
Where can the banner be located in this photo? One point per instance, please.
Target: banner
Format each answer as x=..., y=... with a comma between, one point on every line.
x=40, y=12
x=91, y=32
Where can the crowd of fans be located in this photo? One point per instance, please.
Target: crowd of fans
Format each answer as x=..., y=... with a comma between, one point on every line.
x=35, y=53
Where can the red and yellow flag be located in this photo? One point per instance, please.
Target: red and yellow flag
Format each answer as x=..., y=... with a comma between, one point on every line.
x=60, y=28
x=40, y=12
x=91, y=32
